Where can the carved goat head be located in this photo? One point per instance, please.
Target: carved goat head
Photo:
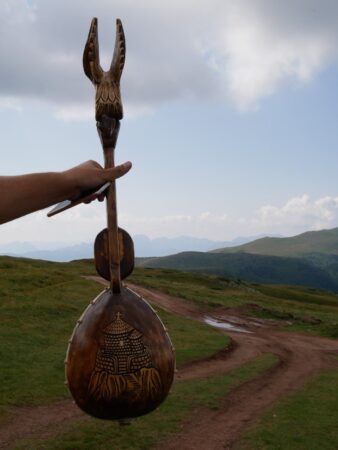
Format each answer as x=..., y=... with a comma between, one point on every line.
x=108, y=96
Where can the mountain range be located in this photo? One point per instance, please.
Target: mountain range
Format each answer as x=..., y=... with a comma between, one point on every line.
x=309, y=259
x=324, y=241
x=144, y=247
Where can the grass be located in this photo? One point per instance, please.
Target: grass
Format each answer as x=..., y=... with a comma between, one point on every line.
x=207, y=291
x=304, y=420
x=145, y=432
x=296, y=306
x=192, y=340
x=40, y=303
x=318, y=272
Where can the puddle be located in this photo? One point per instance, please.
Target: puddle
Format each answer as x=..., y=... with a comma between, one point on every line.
x=224, y=325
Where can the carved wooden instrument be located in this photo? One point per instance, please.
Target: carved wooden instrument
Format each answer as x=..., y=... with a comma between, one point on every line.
x=120, y=360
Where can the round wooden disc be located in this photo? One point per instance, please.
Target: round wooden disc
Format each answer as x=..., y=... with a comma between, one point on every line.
x=126, y=252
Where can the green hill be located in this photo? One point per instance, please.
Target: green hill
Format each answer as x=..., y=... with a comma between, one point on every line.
x=250, y=267
x=311, y=242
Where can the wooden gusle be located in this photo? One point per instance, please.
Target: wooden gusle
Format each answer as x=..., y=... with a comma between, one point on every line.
x=120, y=360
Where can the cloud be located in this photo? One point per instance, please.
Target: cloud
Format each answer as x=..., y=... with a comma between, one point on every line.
x=12, y=103
x=236, y=51
x=82, y=224
x=298, y=214
x=265, y=44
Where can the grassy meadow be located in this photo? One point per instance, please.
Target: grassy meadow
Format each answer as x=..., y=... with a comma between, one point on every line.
x=313, y=311
x=304, y=420
x=41, y=301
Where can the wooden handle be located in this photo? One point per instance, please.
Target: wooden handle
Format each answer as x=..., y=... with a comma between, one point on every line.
x=108, y=129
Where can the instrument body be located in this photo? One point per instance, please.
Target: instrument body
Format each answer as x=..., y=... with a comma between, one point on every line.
x=120, y=360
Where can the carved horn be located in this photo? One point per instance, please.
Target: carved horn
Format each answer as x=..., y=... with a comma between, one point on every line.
x=91, y=59
x=119, y=53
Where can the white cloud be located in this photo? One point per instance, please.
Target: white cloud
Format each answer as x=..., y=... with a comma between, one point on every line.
x=12, y=103
x=298, y=214
x=85, y=221
x=75, y=112
x=240, y=51
x=82, y=224
x=256, y=58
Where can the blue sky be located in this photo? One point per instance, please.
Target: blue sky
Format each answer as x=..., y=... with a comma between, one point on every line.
x=230, y=116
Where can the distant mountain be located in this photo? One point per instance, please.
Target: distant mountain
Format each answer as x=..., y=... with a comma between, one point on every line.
x=312, y=242
x=163, y=246
x=309, y=259
x=254, y=268
x=144, y=247
x=79, y=251
x=17, y=248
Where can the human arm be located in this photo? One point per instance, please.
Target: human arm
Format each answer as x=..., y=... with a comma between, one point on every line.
x=23, y=194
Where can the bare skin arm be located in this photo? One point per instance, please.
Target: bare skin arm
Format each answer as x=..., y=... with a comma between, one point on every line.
x=23, y=194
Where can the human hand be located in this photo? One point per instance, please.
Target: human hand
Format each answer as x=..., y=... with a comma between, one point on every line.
x=90, y=175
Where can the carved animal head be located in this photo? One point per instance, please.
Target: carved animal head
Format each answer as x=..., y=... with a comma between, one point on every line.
x=108, y=96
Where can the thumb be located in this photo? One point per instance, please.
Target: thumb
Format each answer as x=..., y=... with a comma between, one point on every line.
x=117, y=172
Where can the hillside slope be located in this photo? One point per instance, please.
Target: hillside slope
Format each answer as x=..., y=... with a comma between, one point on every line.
x=256, y=268
x=323, y=241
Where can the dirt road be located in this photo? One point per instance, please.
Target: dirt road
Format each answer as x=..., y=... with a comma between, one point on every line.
x=299, y=356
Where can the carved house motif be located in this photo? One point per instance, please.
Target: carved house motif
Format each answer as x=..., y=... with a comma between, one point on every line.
x=123, y=363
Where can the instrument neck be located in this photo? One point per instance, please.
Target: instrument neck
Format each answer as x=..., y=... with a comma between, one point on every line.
x=108, y=131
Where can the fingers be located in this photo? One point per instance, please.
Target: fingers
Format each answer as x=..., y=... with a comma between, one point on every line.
x=110, y=175
x=91, y=199
x=88, y=165
x=118, y=171
x=94, y=164
x=90, y=175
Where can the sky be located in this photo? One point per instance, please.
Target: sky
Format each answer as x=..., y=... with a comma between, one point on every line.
x=231, y=112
